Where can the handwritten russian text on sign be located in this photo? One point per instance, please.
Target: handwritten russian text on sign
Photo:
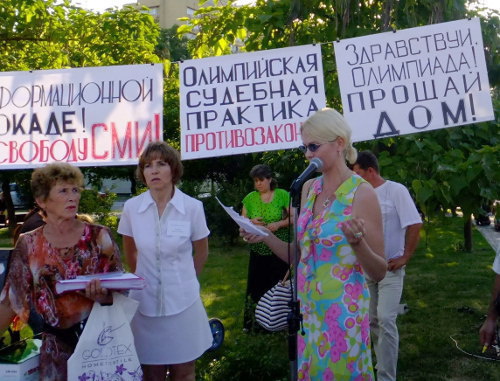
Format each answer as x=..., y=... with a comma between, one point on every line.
x=248, y=102
x=84, y=116
x=414, y=80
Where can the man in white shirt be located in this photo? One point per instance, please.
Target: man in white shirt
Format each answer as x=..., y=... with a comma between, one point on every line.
x=487, y=331
x=402, y=224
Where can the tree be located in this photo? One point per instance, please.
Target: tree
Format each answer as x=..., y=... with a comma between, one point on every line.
x=444, y=169
x=172, y=46
x=39, y=34
x=36, y=34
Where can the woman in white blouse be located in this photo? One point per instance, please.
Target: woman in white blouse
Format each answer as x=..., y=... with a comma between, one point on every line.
x=161, y=230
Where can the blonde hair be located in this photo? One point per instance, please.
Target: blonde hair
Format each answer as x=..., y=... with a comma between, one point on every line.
x=328, y=124
x=85, y=218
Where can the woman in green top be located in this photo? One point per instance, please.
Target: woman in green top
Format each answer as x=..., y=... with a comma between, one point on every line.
x=270, y=207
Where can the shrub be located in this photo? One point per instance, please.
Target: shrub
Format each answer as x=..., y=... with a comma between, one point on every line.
x=230, y=194
x=97, y=204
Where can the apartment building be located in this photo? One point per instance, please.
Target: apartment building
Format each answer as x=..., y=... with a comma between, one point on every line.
x=167, y=12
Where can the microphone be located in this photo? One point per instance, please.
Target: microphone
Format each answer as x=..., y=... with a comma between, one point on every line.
x=315, y=165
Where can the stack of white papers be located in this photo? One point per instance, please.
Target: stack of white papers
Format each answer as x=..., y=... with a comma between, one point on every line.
x=244, y=222
x=113, y=280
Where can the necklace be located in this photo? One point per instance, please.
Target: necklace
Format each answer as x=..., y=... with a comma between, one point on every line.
x=328, y=201
x=332, y=197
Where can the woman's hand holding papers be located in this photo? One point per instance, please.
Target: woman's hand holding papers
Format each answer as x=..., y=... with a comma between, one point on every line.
x=255, y=238
x=279, y=247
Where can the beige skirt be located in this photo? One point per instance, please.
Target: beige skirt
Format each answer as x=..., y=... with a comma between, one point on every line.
x=174, y=339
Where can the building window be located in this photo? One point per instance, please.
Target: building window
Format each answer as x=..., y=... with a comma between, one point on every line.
x=153, y=11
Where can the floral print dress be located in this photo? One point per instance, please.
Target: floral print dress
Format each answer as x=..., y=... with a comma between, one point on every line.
x=36, y=266
x=333, y=293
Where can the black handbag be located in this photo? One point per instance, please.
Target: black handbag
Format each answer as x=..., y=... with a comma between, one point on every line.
x=273, y=307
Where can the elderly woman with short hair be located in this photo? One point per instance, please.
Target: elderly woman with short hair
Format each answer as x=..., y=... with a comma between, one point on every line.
x=61, y=249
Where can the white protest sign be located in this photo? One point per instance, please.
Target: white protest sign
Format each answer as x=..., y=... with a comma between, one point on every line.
x=248, y=102
x=83, y=116
x=414, y=80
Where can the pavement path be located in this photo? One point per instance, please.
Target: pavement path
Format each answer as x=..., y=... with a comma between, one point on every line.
x=491, y=235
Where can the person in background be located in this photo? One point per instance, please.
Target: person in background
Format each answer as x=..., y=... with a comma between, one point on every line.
x=489, y=327
x=341, y=239
x=85, y=218
x=3, y=209
x=62, y=248
x=2, y=203
x=402, y=224
x=267, y=206
x=161, y=230
x=32, y=220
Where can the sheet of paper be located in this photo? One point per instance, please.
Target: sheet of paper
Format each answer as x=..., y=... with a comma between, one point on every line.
x=243, y=222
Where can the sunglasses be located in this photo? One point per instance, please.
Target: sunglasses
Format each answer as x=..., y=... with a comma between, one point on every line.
x=312, y=147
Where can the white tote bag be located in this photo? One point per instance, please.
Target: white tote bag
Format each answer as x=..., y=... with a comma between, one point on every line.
x=105, y=350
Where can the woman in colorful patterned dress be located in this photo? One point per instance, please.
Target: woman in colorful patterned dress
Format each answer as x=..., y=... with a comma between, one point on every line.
x=340, y=238
x=61, y=249
x=267, y=206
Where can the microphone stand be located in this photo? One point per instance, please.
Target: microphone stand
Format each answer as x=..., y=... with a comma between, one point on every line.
x=294, y=318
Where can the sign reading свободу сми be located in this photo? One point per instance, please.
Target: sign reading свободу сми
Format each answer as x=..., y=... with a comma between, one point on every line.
x=83, y=116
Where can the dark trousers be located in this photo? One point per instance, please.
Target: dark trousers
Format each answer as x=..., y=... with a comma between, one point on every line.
x=264, y=271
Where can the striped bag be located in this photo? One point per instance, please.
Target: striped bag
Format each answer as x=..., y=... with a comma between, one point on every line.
x=272, y=308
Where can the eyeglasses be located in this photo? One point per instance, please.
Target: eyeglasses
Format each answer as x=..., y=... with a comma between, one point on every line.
x=312, y=147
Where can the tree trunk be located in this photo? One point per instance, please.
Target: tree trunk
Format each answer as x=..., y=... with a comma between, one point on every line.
x=386, y=15
x=468, y=234
x=295, y=7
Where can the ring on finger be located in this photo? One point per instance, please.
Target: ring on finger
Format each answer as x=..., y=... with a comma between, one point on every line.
x=358, y=235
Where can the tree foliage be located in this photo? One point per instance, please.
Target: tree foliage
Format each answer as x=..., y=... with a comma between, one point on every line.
x=444, y=169
x=449, y=168
x=50, y=34
x=171, y=45
x=38, y=34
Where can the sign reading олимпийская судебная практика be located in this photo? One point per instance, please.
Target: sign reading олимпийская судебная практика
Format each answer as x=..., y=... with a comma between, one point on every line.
x=248, y=102
x=414, y=80
x=84, y=116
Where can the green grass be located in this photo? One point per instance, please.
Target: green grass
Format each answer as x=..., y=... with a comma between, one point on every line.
x=5, y=239
x=243, y=356
x=446, y=289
